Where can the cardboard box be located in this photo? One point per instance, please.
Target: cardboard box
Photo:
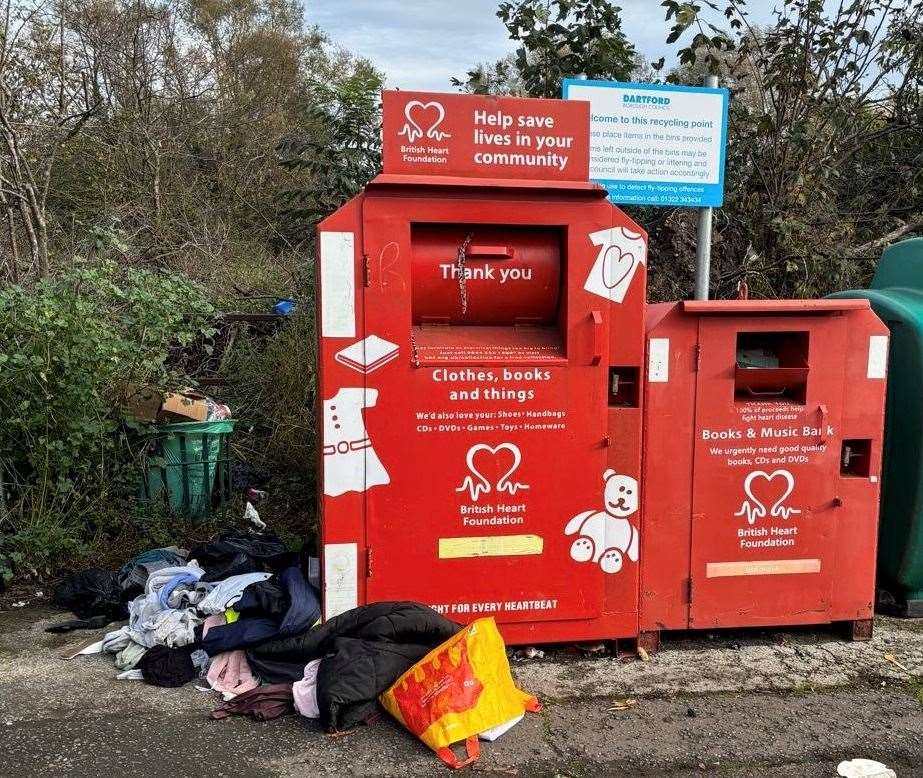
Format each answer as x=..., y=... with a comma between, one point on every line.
x=187, y=405
x=147, y=404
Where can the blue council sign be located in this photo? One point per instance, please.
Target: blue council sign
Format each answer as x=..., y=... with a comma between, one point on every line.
x=656, y=144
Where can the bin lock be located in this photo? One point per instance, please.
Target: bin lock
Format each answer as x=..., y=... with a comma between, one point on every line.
x=597, y=318
x=822, y=410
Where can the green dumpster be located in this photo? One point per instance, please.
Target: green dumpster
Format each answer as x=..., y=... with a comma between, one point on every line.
x=896, y=295
x=190, y=466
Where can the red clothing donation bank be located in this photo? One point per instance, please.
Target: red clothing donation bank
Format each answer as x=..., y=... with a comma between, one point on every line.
x=480, y=316
x=763, y=437
x=482, y=370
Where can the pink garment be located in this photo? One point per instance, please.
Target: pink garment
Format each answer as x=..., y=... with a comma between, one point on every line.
x=305, y=691
x=228, y=673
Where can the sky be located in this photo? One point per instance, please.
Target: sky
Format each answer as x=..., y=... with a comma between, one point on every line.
x=421, y=44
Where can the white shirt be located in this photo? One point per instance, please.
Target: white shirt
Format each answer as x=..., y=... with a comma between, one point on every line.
x=620, y=253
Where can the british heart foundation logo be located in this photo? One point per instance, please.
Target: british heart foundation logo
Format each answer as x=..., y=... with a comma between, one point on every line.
x=422, y=120
x=491, y=458
x=766, y=494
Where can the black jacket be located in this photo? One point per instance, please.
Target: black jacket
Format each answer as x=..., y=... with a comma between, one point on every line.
x=364, y=651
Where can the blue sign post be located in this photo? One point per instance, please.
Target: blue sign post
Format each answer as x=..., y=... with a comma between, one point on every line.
x=656, y=144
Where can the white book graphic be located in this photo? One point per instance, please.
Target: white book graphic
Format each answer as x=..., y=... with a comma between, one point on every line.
x=367, y=355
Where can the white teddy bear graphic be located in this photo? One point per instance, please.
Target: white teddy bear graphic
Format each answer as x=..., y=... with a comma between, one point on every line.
x=606, y=536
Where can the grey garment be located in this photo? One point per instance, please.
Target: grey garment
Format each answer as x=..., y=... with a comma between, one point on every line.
x=150, y=624
x=117, y=640
x=130, y=675
x=185, y=597
x=145, y=570
x=129, y=656
x=200, y=661
x=227, y=592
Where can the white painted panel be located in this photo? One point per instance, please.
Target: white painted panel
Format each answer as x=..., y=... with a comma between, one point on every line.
x=338, y=285
x=878, y=356
x=658, y=360
x=341, y=578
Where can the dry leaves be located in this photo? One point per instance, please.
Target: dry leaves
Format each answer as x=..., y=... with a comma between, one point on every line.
x=893, y=660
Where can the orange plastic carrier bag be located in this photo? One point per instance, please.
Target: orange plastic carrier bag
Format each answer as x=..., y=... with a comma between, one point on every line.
x=457, y=690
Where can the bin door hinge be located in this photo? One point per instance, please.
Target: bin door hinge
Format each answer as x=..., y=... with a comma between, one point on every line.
x=368, y=562
x=689, y=591
x=366, y=271
x=697, y=357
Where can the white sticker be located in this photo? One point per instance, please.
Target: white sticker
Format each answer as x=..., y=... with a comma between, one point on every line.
x=341, y=578
x=338, y=285
x=350, y=461
x=658, y=360
x=366, y=356
x=620, y=253
x=878, y=356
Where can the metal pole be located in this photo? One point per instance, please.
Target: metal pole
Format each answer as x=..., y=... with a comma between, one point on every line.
x=703, y=239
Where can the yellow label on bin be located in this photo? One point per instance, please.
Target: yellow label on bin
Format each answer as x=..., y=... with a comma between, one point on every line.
x=493, y=545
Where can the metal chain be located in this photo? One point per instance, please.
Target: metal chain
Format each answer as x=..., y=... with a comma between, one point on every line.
x=415, y=358
x=460, y=267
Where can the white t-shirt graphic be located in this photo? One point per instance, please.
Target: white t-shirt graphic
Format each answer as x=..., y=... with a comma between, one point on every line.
x=620, y=253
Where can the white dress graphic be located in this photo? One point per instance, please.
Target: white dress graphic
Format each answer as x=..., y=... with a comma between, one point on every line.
x=620, y=253
x=350, y=462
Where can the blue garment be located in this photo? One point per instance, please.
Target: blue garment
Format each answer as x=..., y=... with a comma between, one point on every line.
x=163, y=597
x=135, y=573
x=303, y=611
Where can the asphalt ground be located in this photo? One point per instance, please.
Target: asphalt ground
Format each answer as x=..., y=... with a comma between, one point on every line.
x=760, y=703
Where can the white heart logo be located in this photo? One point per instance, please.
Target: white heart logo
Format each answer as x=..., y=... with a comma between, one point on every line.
x=477, y=483
x=501, y=481
x=757, y=508
x=617, y=264
x=420, y=123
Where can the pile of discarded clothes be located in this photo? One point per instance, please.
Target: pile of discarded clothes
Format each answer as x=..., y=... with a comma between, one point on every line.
x=238, y=615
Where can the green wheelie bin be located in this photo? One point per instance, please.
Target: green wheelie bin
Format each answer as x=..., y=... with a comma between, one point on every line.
x=896, y=295
x=190, y=467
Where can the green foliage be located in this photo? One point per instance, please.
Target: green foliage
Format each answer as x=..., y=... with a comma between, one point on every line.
x=274, y=390
x=343, y=154
x=173, y=170
x=686, y=15
x=72, y=347
x=558, y=39
x=826, y=139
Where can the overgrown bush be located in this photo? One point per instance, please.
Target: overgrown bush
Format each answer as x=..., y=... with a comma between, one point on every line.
x=273, y=394
x=73, y=348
